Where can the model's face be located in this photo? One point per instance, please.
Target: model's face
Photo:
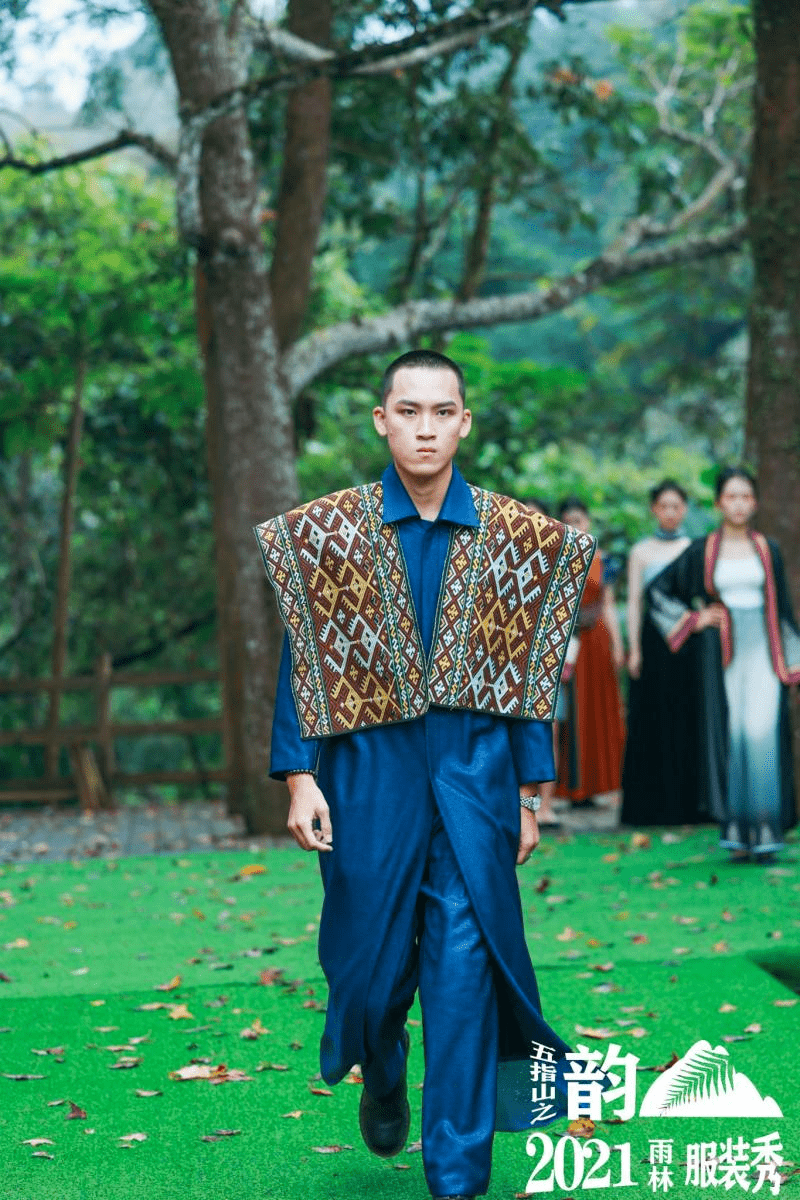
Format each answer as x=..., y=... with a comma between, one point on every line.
x=423, y=420
x=669, y=510
x=737, y=502
x=577, y=518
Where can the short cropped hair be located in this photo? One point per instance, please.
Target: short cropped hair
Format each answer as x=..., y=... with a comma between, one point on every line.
x=668, y=485
x=729, y=473
x=422, y=358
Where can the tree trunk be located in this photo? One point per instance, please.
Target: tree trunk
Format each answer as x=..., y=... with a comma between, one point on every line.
x=301, y=197
x=61, y=612
x=251, y=457
x=773, y=387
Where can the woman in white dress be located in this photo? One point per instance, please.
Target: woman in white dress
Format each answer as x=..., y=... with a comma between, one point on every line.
x=727, y=596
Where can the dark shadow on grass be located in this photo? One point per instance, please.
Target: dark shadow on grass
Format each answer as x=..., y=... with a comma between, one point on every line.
x=783, y=965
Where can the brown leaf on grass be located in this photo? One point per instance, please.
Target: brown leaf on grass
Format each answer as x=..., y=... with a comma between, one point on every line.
x=720, y=947
x=610, y=858
x=295, y=1114
x=133, y=1137
x=543, y=884
x=126, y=1063
x=145, y=1092
x=330, y=1149
x=776, y=934
x=106, y=1028
x=597, y=1033
x=5, y=978
x=317, y=1091
x=631, y=1008
x=76, y=1113
x=726, y=1008
x=295, y=1045
x=38, y=1142
x=119, y=1048
x=179, y=1012
x=55, y=1103
x=727, y=916
x=254, y=1031
x=170, y=986
x=20, y=1078
x=582, y=1128
x=784, y=1003
x=754, y=1028
x=271, y=1066
x=603, y=989
x=42, y=1154
x=97, y=1003
x=314, y=1004
x=354, y=1076
x=218, y=1134
x=685, y=920
x=137, y=1041
x=412, y=1021
x=252, y=869
x=153, y=1006
x=638, y=1032
x=19, y=943
x=606, y=966
x=639, y=939
x=640, y=841
x=401, y=1166
x=734, y=1037
x=270, y=976
x=662, y=1066
x=56, y=1051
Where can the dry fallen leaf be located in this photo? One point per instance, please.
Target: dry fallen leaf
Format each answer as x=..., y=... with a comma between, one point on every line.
x=133, y=1137
x=582, y=1128
x=317, y=1091
x=76, y=1113
x=253, y=869
x=606, y=966
x=271, y=1066
x=568, y=934
x=330, y=1149
x=270, y=976
x=19, y=943
x=720, y=947
x=20, y=1078
x=734, y=1037
x=754, y=1028
x=638, y=1032
x=295, y=1114
x=179, y=1012
x=146, y=1092
x=126, y=1063
x=42, y=1154
x=38, y=1142
x=640, y=841
x=173, y=983
x=726, y=1008
x=598, y=1033
x=153, y=1006
x=784, y=1003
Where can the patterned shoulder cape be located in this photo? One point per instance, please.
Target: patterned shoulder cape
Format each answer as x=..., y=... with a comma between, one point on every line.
x=510, y=594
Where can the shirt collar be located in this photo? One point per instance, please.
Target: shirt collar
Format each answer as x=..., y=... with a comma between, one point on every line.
x=458, y=507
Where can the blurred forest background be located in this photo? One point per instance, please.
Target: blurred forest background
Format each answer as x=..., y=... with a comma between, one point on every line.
x=554, y=195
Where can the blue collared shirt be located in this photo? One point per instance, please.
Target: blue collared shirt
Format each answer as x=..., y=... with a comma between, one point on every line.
x=425, y=545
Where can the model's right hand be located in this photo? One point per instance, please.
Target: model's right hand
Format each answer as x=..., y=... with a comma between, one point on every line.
x=712, y=615
x=634, y=664
x=309, y=806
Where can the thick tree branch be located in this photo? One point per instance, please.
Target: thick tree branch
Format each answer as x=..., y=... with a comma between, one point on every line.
x=125, y=139
x=322, y=350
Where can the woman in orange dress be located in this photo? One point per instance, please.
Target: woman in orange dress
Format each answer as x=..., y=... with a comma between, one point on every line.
x=591, y=724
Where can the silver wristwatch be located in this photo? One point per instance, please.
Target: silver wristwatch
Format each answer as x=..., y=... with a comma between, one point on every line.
x=531, y=802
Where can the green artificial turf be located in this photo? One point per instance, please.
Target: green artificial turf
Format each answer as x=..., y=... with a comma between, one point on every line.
x=641, y=945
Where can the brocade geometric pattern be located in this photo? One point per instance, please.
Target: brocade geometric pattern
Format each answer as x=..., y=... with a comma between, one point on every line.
x=510, y=595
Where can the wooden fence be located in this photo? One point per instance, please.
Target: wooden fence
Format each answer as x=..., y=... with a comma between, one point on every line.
x=91, y=747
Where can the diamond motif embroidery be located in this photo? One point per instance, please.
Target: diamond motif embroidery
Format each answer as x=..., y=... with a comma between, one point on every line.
x=509, y=600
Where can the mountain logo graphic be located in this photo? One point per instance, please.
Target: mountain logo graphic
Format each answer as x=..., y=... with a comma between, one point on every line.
x=704, y=1084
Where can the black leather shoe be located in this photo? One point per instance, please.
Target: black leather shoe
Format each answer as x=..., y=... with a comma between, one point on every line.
x=384, y=1123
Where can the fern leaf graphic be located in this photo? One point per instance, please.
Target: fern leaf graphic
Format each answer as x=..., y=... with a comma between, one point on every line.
x=707, y=1076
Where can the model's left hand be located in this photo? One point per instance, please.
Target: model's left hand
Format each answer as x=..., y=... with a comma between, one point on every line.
x=528, y=835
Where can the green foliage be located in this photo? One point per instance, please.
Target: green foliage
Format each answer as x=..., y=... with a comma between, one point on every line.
x=91, y=272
